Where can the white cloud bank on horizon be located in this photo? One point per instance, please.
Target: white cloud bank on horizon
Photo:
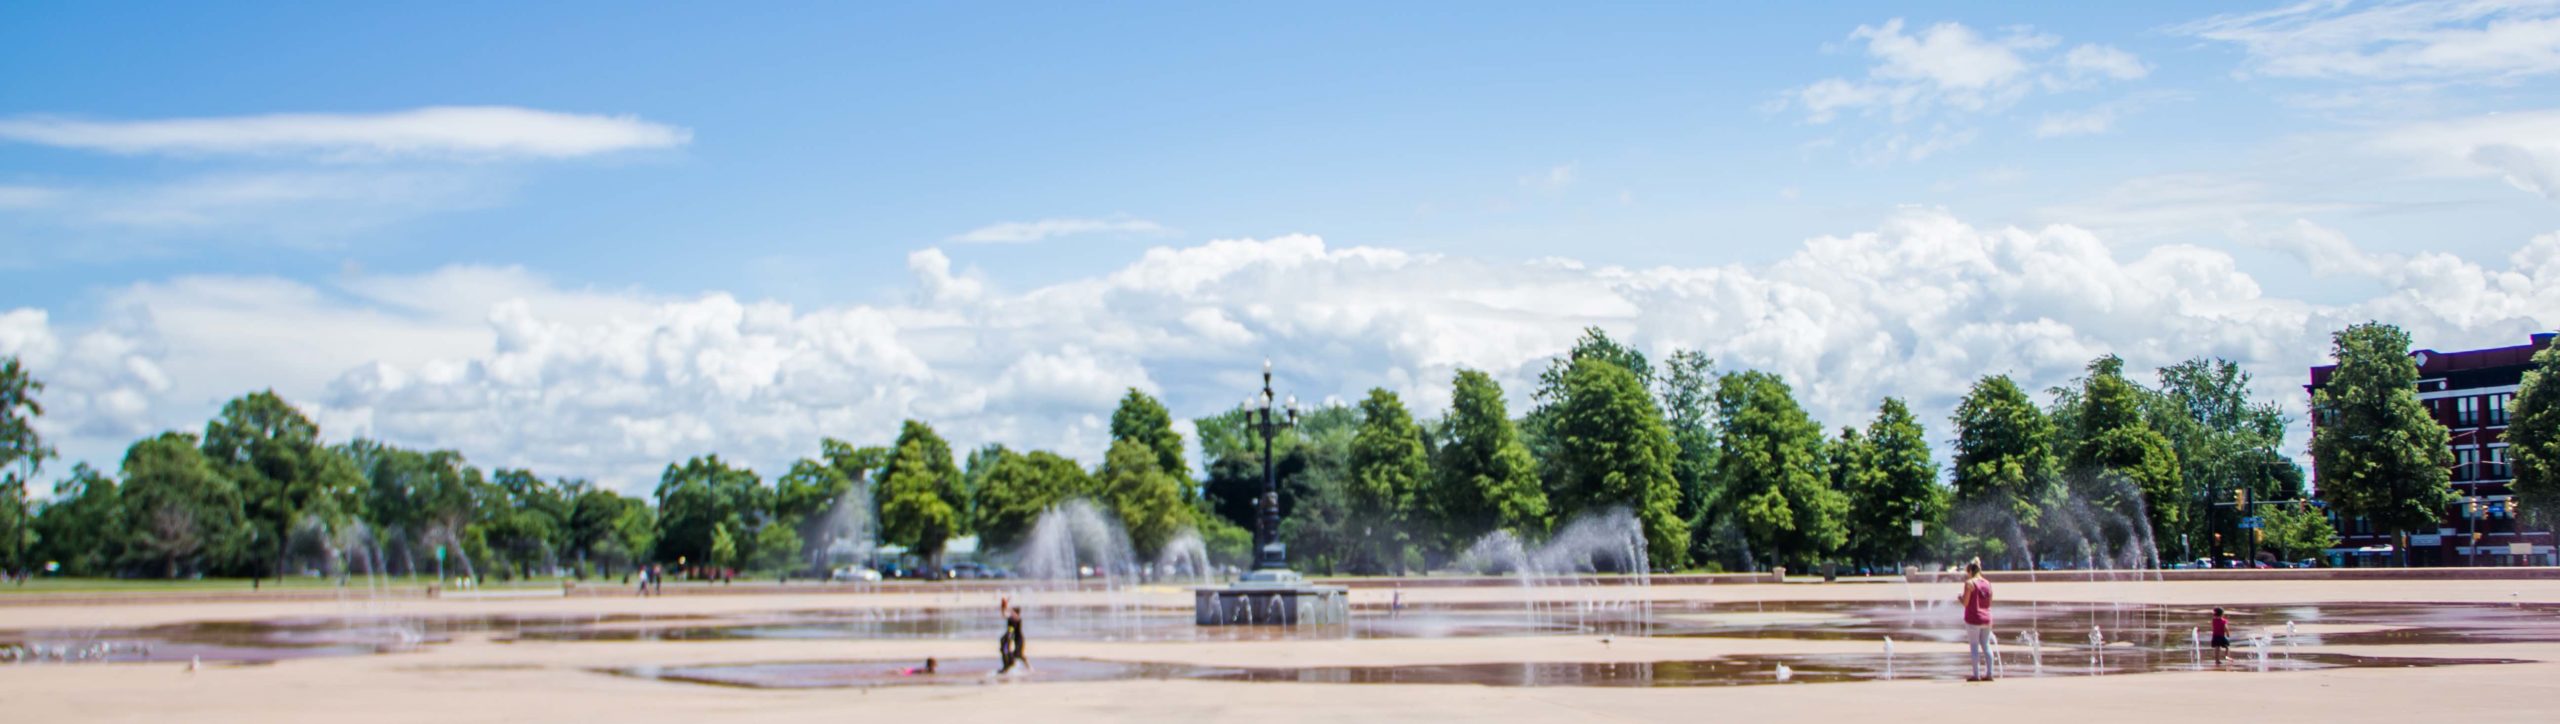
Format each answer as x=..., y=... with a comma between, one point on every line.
x=441, y=131
x=612, y=385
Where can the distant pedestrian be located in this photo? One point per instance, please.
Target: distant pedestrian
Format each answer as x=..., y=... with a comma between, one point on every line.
x=2221, y=637
x=1976, y=600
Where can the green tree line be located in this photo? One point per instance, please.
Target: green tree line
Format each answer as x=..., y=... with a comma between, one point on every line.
x=1723, y=470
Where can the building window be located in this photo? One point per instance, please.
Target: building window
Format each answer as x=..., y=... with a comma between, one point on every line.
x=2498, y=407
x=2466, y=411
x=2495, y=467
x=2466, y=462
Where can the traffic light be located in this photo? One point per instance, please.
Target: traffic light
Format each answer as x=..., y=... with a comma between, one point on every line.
x=2241, y=497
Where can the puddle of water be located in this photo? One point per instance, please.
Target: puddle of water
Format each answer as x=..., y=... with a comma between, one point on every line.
x=1734, y=671
x=2138, y=636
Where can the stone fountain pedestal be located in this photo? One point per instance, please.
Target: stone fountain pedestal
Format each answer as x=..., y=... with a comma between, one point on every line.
x=1271, y=597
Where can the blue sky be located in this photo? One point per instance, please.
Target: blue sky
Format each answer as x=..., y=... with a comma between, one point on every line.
x=783, y=221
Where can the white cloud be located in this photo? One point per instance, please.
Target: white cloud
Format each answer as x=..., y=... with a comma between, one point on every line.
x=1018, y=232
x=2076, y=123
x=1953, y=74
x=27, y=197
x=1554, y=178
x=451, y=131
x=2468, y=42
x=2522, y=148
x=612, y=385
x=2092, y=60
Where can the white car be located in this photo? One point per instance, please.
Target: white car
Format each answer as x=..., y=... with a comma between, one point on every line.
x=856, y=573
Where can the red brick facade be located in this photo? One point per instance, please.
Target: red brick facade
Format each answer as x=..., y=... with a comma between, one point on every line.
x=2470, y=393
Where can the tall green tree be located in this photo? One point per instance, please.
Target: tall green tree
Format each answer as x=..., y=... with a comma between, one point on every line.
x=1773, y=471
x=919, y=493
x=1019, y=488
x=1689, y=409
x=2533, y=439
x=2121, y=463
x=82, y=527
x=1388, y=469
x=524, y=522
x=2378, y=454
x=1538, y=428
x=2005, y=465
x=22, y=453
x=1612, y=450
x=1147, y=500
x=273, y=453
x=596, y=529
x=184, y=517
x=1483, y=477
x=1896, y=487
x=699, y=499
x=1316, y=496
x=2224, y=440
x=1143, y=420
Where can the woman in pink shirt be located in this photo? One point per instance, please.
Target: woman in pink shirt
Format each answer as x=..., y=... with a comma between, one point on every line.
x=1976, y=599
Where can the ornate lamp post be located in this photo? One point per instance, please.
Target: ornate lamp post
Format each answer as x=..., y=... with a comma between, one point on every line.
x=1269, y=553
x=1270, y=594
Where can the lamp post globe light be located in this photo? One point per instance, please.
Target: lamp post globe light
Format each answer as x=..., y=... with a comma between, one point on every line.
x=1270, y=594
x=1261, y=419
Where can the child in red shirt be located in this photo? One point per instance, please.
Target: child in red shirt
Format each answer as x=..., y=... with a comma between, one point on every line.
x=2221, y=636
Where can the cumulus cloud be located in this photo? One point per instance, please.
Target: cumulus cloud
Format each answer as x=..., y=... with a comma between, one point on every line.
x=451, y=131
x=2462, y=42
x=1019, y=232
x=612, y=385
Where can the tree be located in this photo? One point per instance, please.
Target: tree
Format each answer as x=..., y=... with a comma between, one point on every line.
x=1688, y=408
x=919, y=493
x=1019, y=488
x=777, y=549
x=1898, y=487
x=1611, y=450
x=696, y=499
x=1388, y=468
x=1484, y=479
x=2295, y=529
x=184, y=516
x=1317, y=527
x=597, y=520
x=2121, y=462
x=2533, y=438
x=273, y=452
x=524, y=521
x=1538, y=431
x=81, y=527
x=1141, y=419
x=22, y=454
x=2224, y=440
x=1146, y=499
x=2004, y=461
x=1774, y=470
x=2378, y=454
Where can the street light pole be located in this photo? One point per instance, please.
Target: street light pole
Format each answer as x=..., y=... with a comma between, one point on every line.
x=1269, y=554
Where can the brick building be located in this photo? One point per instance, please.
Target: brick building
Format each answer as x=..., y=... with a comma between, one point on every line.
x=2469, y=393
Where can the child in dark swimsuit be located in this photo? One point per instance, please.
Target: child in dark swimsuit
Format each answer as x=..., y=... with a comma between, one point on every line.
x=1009, y=644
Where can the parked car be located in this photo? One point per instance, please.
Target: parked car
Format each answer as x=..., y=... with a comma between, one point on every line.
x=855, y=573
